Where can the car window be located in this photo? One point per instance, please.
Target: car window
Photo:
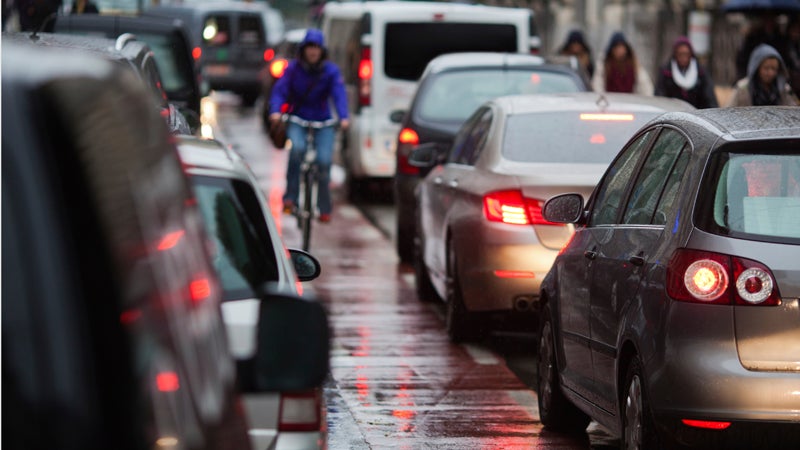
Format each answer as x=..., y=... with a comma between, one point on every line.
x=666, y=203
x=612, y=188
x=453, y=96
x=470, y=140
x=570, y=136
x=758, y=194
x=251, y=31
x=216, y=31
x=410, y=46
x=233, y=218
x=167, y=53
x=652, y=178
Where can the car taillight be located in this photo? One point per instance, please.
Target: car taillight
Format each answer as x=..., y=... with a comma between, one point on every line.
x=407, y=140
x=277, y=67
x=365, y=77
x=167, y=381
x=269, y=54
x=300, y=411
x=512, y=208
x=199, y=289
x=197, y=52
x=707, y=424
x=708, y=277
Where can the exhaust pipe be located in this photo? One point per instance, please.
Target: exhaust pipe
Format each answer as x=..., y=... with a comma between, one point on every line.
x=523, y=303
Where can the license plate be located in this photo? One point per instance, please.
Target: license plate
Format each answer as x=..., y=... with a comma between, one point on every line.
x=218, y=69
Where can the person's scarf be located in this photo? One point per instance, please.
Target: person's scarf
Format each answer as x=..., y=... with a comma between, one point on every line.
x=764, y=95
x=685, y=80
x=620, y=76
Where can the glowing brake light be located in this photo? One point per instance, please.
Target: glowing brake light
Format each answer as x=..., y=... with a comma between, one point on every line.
x=269, y=54
x=167, y=381
x=365, y=77
x=512, y=208
x=197, y=52
x=408, y=136
x=278, y=67
x=714, y=278
x=603, y=117
x=199, y=289
x=707, y=424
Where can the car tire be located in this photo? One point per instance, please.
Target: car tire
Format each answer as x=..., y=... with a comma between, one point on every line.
x=422, y=279
x=405, y=244
x=555, y=410
x=638, y=429
x=461, y=324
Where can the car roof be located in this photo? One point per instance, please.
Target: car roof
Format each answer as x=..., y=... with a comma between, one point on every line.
x=17, y=47
x=450, y=61
x=591, y=101
x=742, y=123
x=121, y=49
x=117, y=24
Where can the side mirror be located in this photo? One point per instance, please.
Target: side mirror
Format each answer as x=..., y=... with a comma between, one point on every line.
x=428, y=154
x=293, y=342
x=564, y=208
x=306, y=266
x=397, y=116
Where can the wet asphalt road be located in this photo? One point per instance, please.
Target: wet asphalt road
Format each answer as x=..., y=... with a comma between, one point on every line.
x=396, y=380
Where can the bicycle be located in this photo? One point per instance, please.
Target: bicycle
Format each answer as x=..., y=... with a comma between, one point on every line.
x=306, y=209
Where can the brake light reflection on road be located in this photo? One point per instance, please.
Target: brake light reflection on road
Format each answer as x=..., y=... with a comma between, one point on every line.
x=170, y=240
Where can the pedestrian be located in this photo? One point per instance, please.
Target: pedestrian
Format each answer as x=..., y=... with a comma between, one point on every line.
x=765, y=83
x=310, y=81
x=764, y=29
x=791, y=53
x=685, y=78
x=84, y=7
x=576, y=46
x=620, y=71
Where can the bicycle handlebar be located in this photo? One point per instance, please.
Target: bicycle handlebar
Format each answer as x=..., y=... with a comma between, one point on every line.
x=311, y=123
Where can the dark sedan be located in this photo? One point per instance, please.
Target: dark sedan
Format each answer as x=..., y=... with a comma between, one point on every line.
x=674, y=312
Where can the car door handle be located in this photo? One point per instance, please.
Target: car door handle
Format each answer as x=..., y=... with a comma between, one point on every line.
x=637, y=260
x=591, y=254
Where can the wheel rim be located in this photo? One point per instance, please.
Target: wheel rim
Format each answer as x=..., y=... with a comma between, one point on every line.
x=546, y=369
x=633, y=414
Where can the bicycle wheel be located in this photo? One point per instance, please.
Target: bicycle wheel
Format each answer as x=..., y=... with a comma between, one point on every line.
x=307, y=213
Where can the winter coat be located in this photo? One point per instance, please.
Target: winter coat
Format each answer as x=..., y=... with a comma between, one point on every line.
x=700, y=96
x=643, y=85
x=308, y=89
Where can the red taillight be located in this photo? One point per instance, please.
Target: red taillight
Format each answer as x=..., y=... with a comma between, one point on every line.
x=406, y=141
x=167, y=382
x=277, y=68
x=197, y=52
x=714, y=278
x=269, y=54
x=707, y=424
x=170, y=240
x=300, y=411
x=365, y=77
x=514, y=274
x=408, y=136
x=199, y=289
x=512, y=208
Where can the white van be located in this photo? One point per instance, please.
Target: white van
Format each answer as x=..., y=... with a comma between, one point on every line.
x=382, y=49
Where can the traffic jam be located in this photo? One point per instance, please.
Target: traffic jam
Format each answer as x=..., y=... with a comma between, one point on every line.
x=400, y=224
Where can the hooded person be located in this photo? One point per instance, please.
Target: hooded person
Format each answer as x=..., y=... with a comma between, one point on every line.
x=304, y=92
x=620, y=70
x=683, y=77
x=765, y=83
x=576, y=46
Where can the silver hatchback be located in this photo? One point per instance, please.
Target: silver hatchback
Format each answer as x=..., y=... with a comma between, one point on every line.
x=673, y=314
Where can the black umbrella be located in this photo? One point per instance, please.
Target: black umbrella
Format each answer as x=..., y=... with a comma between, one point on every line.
x=762, y=6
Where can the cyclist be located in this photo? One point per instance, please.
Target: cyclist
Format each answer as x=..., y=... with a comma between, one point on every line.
x=309, y=82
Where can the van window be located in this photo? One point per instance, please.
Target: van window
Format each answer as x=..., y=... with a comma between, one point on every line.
x=250, y=31
x=216, y=31
x=410, y=46
x=344, y=45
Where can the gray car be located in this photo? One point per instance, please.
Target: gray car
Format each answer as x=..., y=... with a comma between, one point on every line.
x=674, y=314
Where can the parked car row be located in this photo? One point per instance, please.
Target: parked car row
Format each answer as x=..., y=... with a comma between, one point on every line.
x=652, y=248
x=148, y=300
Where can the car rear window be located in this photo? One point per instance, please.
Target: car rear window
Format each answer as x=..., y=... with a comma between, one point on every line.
x=410, y=46
x=251, y=31
x=233, y=218
x=570, y=136
x=217, y=31
x=755, y=195
x=453, y=96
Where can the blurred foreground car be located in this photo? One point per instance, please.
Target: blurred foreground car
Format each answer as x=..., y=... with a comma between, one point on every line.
x=483, y=245
x=452, y=87
x=248, y=252
x=674, y=312
x=111, y=324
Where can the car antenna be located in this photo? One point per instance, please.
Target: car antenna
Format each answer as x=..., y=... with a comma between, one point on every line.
x=50, y=17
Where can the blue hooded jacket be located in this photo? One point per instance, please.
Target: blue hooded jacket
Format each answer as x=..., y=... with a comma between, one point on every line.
x=295, y=86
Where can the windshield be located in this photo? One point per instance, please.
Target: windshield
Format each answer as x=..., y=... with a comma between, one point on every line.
x=453, y=96
x=570, y=136
x=233, y=219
